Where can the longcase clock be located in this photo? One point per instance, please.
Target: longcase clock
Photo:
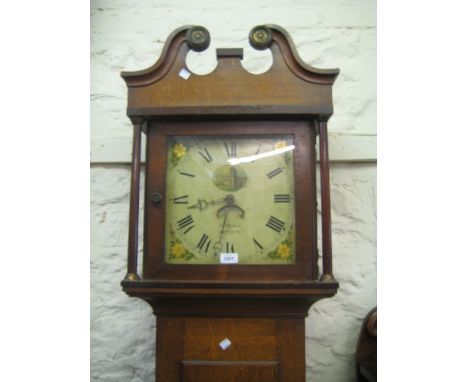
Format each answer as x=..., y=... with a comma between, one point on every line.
x=230, y=257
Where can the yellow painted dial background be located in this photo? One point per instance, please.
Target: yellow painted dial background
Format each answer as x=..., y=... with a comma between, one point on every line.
x=256, y=198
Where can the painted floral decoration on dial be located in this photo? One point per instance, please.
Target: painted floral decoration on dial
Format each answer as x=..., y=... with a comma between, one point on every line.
x=230, y=194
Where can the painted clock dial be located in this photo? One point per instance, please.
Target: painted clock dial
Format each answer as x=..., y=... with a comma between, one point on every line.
x=230, y=195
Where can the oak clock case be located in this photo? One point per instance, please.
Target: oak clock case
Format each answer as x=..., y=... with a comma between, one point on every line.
x=230, y=249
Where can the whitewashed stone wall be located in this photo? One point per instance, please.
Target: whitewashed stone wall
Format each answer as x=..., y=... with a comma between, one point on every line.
x=129, y=35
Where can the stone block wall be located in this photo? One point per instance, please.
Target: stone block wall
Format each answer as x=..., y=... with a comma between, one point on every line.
x=129, y=35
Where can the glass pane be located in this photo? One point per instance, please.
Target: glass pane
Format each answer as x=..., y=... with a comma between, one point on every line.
x=230, y=199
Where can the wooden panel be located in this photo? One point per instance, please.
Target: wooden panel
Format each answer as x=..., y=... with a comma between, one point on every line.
x=169, y=348
x=278, y=88
x=251, y=339
x=291, y=349
x=197, y=371
x=260, y=348
x=289, y=87
x=232, y=307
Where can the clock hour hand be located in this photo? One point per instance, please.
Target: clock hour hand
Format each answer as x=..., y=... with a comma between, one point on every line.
x=230, y=205
x=203, y=204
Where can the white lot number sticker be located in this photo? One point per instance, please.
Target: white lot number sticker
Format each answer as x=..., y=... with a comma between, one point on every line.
x=185, y=74
x=224, y=344
x=228, y=258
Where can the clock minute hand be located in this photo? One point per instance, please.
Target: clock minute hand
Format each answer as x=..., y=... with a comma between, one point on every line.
x=217, y=246
x=226, y=214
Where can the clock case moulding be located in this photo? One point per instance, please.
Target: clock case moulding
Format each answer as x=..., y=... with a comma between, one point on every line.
x=290, y=92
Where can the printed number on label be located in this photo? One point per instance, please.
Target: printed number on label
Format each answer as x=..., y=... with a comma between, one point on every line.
x=228, y=258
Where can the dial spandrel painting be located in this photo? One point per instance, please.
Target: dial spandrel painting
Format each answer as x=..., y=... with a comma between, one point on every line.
x=230, y=195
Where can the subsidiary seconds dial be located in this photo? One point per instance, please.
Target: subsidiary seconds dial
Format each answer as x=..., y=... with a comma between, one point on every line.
x=230, y=194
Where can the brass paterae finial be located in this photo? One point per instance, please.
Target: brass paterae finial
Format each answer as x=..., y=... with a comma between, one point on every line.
x=327, y=277
x=132, y=277
x=260, y=37
x=198, y=38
